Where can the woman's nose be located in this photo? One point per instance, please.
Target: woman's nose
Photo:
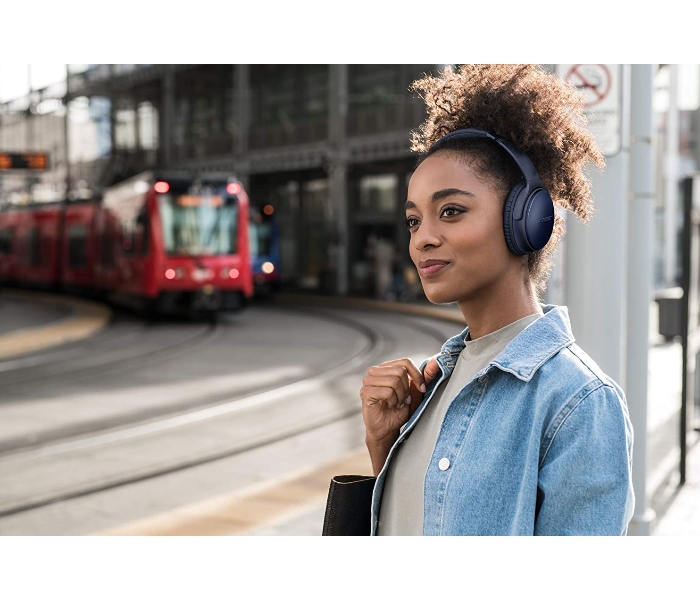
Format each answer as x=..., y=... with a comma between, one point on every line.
x=426, y=235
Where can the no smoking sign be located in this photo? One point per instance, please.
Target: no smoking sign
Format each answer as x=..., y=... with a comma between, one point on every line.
x=601, y=86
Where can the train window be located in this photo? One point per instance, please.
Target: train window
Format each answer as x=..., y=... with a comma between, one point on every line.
x=35, y=247
x=129, y=238
x=198, y=225
x=259, y=234
x=134, y=239
x=142, y=227
x=77, y=246
x=107, y=248
x=6, y=241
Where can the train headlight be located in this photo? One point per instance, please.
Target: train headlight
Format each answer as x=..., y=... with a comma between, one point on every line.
x=174, y=273
x=233, y=273
x=268, y=267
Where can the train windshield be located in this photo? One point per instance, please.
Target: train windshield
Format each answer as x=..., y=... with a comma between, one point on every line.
x=260, y=238
x=199, y=224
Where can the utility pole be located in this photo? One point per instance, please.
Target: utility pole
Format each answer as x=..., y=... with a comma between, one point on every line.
x=66, y=131
x=338, y=171
x=671, y=181
x=639, y=284
x=167, y=117
x=242, y=115
x=30, y=178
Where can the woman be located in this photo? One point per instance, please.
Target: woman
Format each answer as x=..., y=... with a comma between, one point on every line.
x=511, y=429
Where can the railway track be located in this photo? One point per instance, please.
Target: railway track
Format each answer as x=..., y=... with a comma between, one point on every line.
x=128, y=453
x=117, y=353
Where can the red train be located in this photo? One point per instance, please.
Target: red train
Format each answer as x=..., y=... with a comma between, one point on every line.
x=166, y=242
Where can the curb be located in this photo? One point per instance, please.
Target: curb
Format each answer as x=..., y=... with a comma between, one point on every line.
x=90, y=317
x=452, y=315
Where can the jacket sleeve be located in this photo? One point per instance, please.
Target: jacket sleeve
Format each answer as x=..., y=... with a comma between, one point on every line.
x=585, y=476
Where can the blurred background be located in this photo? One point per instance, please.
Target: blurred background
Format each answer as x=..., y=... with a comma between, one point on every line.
x=198, y=263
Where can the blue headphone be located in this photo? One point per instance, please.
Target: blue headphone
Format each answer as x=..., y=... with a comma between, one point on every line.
x=528, y=214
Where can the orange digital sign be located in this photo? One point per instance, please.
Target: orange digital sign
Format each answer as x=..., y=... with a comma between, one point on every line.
x=199, y=200
x=36, y=161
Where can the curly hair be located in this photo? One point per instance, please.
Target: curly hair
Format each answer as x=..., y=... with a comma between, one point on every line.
x=539, y=112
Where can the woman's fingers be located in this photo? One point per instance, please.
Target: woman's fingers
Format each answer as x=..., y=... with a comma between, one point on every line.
x=411, y=369
x=395, y=383
x=431, y=370
x=374, y=394
x=394, y=376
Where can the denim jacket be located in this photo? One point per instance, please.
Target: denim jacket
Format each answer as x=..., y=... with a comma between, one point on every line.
x=539, y=442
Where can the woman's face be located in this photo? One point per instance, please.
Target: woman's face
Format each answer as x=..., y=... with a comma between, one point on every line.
x=456, y=218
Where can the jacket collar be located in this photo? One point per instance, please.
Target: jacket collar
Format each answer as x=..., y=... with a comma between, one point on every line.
x=527, y=351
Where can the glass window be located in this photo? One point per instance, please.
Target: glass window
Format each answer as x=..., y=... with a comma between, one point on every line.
x=316, y=199
x=6, y=241
x=199, y=225
x=125, y=128
x=107, y=247
x=260, y=235
x=148, y=126
x=378, y=193
x=77, y=246
x=35, y=247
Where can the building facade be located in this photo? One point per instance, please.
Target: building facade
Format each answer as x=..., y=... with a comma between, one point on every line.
x=326, y=145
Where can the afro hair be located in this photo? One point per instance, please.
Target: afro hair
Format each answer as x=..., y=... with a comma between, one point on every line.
x=539, y=112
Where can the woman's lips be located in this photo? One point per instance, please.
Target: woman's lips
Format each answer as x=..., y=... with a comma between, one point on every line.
x=432, y=269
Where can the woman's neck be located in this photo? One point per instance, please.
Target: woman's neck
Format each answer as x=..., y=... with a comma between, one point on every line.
x=487, y=313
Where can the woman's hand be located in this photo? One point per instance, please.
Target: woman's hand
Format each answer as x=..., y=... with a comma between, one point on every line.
x=390, y=394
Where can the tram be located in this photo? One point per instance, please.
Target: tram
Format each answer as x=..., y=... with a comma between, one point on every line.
x=165, y=242
x=264, y=249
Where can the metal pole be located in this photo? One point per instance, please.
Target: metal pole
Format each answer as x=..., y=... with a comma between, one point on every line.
x=138, y=143
x=338, y=89
x=671, y=180
x=168, y=116
x=242, y=112
x=66, y=132
x=639, y=282
x=596, y=259
x=112, y=118
x=689, y=317
x=29, y=124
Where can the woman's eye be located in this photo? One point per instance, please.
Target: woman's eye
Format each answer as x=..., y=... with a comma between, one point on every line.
x=411, y=222
x=452, y=208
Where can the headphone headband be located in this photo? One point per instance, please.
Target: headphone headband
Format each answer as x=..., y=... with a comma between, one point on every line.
x=524, y=163
x=528, y=212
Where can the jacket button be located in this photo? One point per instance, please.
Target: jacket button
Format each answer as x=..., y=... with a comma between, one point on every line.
x=444, y=464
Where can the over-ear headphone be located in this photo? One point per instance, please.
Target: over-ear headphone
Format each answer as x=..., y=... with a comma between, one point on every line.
x=528, y=214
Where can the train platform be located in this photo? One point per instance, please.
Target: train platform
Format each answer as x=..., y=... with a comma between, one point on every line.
x=35, y=321
x=27, y=312
x=202, y=439
x=294, y=503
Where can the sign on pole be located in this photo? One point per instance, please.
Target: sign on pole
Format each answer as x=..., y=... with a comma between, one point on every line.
x=601, y=86
x=37, y=161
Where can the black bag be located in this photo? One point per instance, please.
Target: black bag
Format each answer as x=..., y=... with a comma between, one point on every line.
x=349, y=506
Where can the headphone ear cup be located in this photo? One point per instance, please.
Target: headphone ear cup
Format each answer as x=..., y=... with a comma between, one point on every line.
x=507, y=218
